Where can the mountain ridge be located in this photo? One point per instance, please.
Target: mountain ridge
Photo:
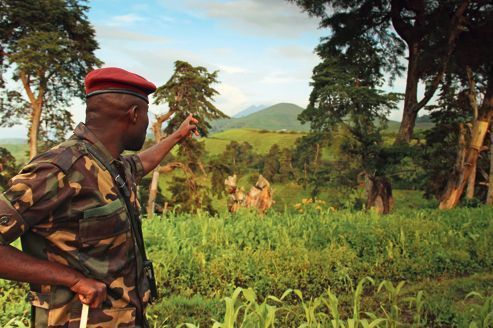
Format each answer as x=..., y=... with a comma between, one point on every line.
x=250, y=110
x=278, y=117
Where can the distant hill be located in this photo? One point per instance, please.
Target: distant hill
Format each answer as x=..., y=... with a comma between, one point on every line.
x=13, y=141
x=250, y=110
x=393, y=126
x=280, y=117
x=261, y=140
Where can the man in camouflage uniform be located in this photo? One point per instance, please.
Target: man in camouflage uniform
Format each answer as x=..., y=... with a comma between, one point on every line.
x=79, y=245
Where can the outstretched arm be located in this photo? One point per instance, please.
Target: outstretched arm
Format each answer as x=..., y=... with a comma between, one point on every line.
x=152, y=156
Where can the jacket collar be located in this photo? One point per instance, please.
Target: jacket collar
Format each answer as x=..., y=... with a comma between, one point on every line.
x=83, y=132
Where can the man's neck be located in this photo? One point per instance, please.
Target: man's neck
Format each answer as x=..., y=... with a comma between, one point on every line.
x=109, y=140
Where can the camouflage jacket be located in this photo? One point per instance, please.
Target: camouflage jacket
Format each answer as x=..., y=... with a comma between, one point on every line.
x=68, y=210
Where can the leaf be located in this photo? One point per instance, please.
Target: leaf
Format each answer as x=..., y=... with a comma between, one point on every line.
x=250, y=296
x=299, y=294
x=286, y=293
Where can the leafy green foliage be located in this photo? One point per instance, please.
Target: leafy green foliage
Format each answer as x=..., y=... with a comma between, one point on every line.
x=8, y=167
x=212, y=256
x=239, y=157
x=49, y=46
x=189, y=91
x=345, y=104
x=202, y=259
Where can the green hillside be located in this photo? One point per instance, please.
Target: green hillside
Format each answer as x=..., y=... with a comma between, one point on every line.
x=393, y=126
x=18, y=150
x=284, y=117
x=261, y=140
x=278, y=117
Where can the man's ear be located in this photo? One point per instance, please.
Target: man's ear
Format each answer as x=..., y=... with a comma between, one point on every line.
x=133, y=113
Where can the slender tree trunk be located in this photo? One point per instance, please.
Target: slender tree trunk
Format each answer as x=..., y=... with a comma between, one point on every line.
x=153, y=192
x=36, y=106
x=489, y=197
x=471, y=183
x=33, y=131
x=461, y=153
x=156, y=129
x=457, y=183
x=472, y=96
x=409, y=114
x=379, y=194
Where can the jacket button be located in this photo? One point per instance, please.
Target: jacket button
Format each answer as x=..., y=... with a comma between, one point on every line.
x=4, y=220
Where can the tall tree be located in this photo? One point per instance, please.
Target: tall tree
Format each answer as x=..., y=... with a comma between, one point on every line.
x=473, y=69
x=271, y=163
x=286, y=170
x=308, y=159
x=189, y=91
x=239, y=157
x=376, y=33
x=48, y=47
x=345, y=96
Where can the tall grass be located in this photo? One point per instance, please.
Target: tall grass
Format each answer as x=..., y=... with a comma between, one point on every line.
x=319, y=257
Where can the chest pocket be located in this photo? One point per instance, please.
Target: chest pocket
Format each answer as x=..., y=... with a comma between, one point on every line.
x=104, y=222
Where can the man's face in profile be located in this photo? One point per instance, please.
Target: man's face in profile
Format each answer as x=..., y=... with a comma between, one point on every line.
x=140, y=128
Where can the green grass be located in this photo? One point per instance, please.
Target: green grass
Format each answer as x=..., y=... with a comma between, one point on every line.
x=19, y=151
x=261, y=140
x=201, y=260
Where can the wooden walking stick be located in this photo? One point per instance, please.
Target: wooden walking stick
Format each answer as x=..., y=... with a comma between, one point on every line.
x=84, y=315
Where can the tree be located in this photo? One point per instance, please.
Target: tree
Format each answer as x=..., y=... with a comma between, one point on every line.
x=375, y=33
x=8, y=167
x=188, y=91
x=346, y=98
x=219, y=173
x=48, y=47
x=471, y=77
x=271, y=163
x=286, y=169
x=459, y=179
x=239, y=157
x=308, y=159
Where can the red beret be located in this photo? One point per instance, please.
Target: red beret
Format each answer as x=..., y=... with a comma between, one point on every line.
x=117, y=80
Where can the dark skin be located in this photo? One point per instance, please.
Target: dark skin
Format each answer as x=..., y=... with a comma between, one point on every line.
x=120, y=122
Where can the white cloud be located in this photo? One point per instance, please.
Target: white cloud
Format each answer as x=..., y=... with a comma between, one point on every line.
x=281, y=78
x=276, y=18
x=230, y=99
x=294, y=52
x=125, y=19
x=232, y=69
x=116, y=33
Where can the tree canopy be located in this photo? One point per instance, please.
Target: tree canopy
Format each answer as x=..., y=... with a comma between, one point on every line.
x=47, y=46
x=375, y=34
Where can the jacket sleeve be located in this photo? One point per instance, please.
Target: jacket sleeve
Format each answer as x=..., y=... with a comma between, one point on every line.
x=32, y=196
x=135, y=166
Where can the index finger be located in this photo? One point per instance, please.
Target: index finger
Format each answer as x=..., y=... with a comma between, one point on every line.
x=191, y=119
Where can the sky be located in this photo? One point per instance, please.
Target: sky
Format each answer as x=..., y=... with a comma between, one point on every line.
x=263, y=50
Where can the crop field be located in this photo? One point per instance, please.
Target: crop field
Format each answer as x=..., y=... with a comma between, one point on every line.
x=321, y=268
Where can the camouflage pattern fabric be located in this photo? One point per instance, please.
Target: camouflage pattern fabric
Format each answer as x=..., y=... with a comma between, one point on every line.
x=67, y=209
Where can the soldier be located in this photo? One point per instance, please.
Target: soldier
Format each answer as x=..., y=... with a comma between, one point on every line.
x=75, y=208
